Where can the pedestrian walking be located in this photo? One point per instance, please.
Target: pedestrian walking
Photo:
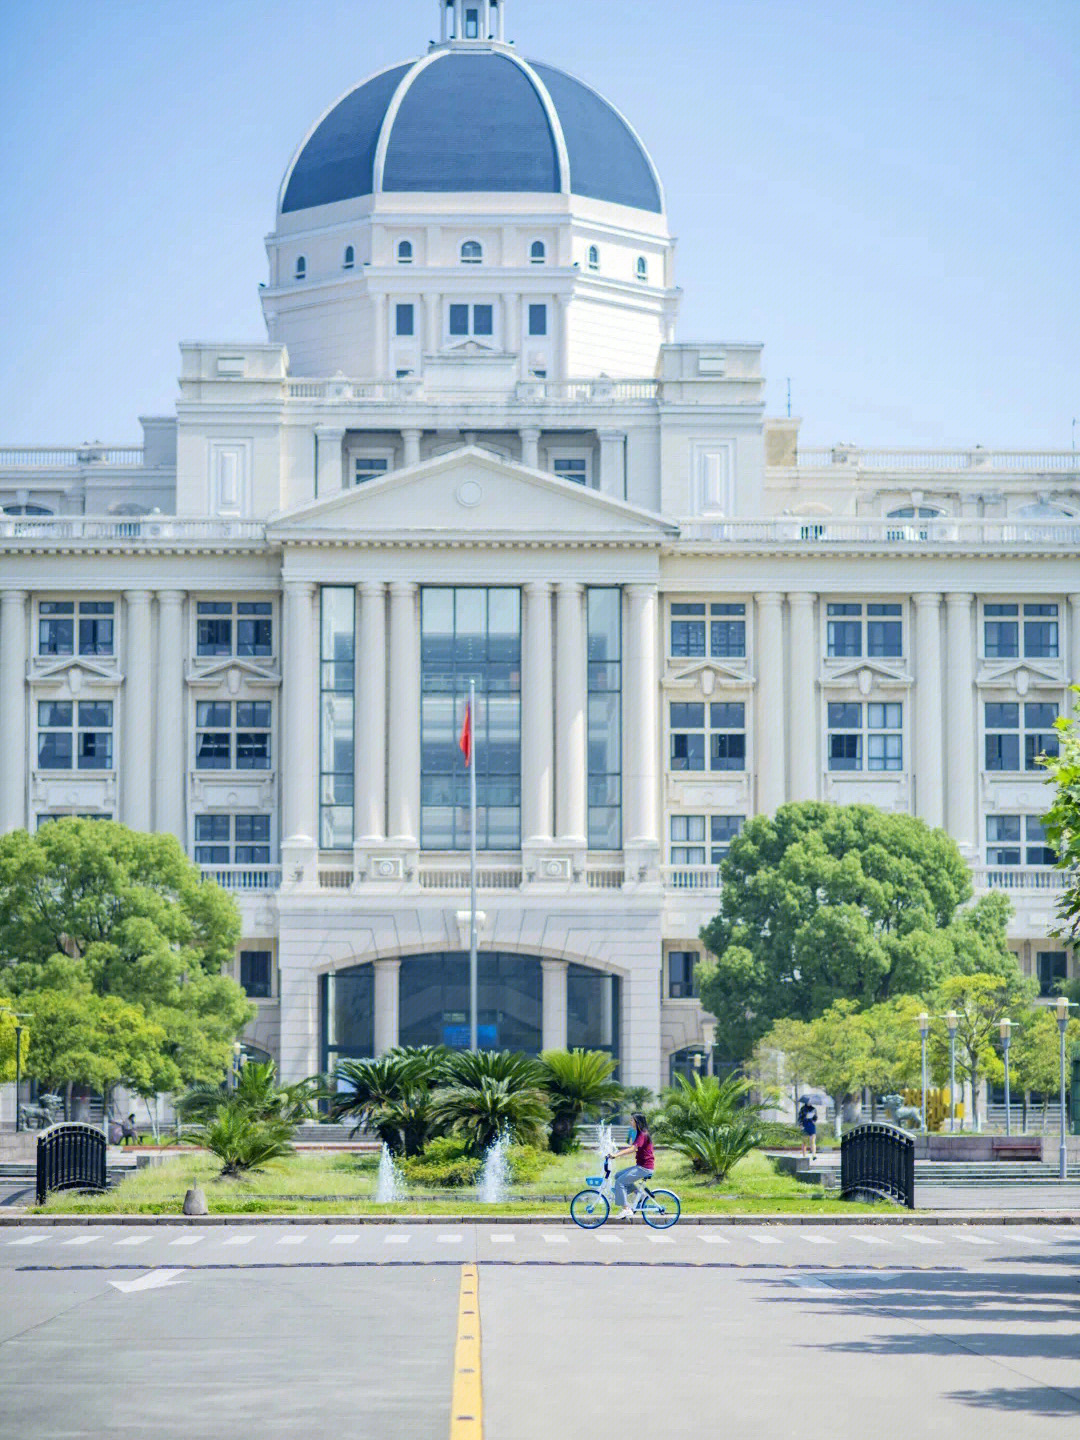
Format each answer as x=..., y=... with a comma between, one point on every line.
x=807, y=1119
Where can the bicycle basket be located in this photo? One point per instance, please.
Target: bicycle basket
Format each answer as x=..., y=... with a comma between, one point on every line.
x=595, y=1181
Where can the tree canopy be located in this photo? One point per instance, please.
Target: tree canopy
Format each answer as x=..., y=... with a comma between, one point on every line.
x=822, y=903
x=116, y=944
x=1062, y=820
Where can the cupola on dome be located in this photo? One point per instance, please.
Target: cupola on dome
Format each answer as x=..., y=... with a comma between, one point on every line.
x=472, y=118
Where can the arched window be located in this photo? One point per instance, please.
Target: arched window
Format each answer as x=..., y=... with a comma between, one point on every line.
x=538, y=252
x=594, y=258
x=350, y=257
x=404, y=252
x=912, y=512
x=472, y=253
x=301, y=268
x=642, y=268
x=25, y=510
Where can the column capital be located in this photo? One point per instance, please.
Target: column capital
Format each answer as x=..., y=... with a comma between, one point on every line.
x=300, y=587
x=637, y=591
x=530, y=432
x=552, y=964
x=171, y=598
x=372, y=589
x=1074, y=600
x=404, y=589
x=611, y=435
x=569, y=587
x=927, y=599
x=387, y=962
x=958, y=599
x=538, y=588
x=802, y=599
x=410, y=432
x=138, y=597
x=14, y=597
x=769, y=599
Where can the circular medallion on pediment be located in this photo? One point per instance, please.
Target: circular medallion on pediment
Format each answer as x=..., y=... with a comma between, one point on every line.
x=469, y=493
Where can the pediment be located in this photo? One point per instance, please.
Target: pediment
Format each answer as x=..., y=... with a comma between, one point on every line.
x=75, y=669
x=1020, y=675
x=866, y=674
x=708, y=674
x=231, y=672
x=471, y=494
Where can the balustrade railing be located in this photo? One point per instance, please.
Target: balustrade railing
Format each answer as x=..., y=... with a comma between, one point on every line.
x=850, y=457
x=244, y=877
x=795, y=531
x=691, y=877
x=443, y=876
x=1018, y=877
x=52, y=457
x=522, y=391
x=149, y=529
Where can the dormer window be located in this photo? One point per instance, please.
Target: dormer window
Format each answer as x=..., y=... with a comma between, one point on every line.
x=405, y=252
x=350, y=258
x=472, y=253
x=594, y=258
x=538, y=252
x=301, y=268
x=472, y=23
x=642, y=269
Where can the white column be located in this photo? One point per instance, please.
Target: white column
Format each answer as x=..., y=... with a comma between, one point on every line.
x=170, y=753
x=298, y=1045
x=804, y=717
x=412, y=446
x=960, y=712
x=641, y=778
x=530, y=448
x=433, y=310
x=769, y=730
x=927, y=759
x=330, y=475
x=404, y=720
x=537, y=715
x=136, y=792
x=512, y=323
x=1073, y=676
x=553, y=1032
x=380, y=345
x=13, y=735
x=387, y=976
x=613, y=463
x=571, y=765
x=370, y=763
x=299, y=745
x=561, y=354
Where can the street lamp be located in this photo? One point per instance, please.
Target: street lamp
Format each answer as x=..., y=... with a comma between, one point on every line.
x=1006, y=1040
x=1063, y=1153
x=952, y=1020
x=708, y=1034
x=237, y=1051
x=924, y=1031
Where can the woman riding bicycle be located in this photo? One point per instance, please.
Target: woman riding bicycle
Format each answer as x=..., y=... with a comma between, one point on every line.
x=644, y=1164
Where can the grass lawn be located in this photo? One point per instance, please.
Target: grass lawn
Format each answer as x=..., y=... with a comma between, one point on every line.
x=344, y=1184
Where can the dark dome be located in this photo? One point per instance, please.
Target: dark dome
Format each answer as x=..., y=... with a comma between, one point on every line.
x=484, y=122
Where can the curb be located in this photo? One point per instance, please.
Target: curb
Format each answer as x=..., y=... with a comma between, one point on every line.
x=939, y=1218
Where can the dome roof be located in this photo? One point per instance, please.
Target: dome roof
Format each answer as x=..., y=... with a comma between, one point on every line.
x=472, y=120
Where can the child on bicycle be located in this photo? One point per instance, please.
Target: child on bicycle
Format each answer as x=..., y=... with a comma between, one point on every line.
x=644, y=1164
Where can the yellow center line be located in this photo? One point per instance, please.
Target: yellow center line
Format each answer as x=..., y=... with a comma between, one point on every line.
x=467, y=1401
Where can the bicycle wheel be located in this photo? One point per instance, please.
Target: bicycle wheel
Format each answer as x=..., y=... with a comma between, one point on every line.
x=589, y=1209
x=661, y=1209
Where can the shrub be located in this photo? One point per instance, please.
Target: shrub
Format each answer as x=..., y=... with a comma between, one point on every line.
x=242, y=1143
x=710, y=1123
x=576, y=1081
x=527, y=1162
x=482, y=1111
x=444, y=1165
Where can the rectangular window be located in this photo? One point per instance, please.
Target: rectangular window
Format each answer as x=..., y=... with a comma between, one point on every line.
x=845, y=737
x=337, y=682
x=1041, y=632
x=1040, y=738
x=682, y=965
x=573, y=467
x=470, y=634
x=884, y=637
x=687, y=736
x=459, y=319
x=483, y=320
x=727, y=738
x=884, y=750
x=232, y=736
x=468, y=320
x=57, y=629
x=72, y=815
x=727, y=632
x=844, y=625
x=880, y=741
x=538, y=323
x=688, y=839
x=225, y=628
x=405, y=321
x=1038, y=850
x=724, y=828
x=1001, y=632
x=55, y=739
x=472, y=24
x=687, y=631
x=256, y=973
x=213, y=735
x=884, y=631
x=1053, y=971
x=232, y=839
x=369, y=467
x=1003, y=839
x=605, y=718
x=75, y=735
x=253, y=735
x=1006, y=737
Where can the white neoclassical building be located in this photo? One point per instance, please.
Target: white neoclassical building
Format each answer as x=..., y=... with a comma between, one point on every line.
x=472, y=449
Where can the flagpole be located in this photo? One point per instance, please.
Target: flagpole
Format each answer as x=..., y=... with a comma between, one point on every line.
x=472, y=870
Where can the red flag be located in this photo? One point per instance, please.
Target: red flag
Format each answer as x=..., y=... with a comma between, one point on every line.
x=466, y=736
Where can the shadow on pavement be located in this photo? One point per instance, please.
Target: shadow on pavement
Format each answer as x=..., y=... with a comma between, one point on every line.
x=1037, y=1400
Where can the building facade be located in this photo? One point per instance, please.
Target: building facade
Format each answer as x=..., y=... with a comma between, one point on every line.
x=472, y=450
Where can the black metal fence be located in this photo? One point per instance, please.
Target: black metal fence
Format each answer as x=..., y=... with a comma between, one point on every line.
x=878, y=1161
x=70, y=1156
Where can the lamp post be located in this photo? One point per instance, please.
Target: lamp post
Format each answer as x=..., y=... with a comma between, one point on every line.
x=924, y=1031
x=237, y=1051
x=1006, y=1041
x=1063, y=1153
x=708, y=1034
x=952, y=1020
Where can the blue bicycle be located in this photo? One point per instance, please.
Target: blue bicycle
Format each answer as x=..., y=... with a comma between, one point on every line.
x=660, y=1209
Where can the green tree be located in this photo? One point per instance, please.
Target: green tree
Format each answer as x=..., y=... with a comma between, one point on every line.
x=242, y=1142
x=481, y=1111
x=783, y=1057
x=390, y=1095
x=828, y=902
x=1035, y=1055
x=980, y=1003
x=7, y=1038
x=92, y=910
x=710, y=1121
x=576, y=1082
x=257, y=1093
x=894, y=1060
x=1062, y=820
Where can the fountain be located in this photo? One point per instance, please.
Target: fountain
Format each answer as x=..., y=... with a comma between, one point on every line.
x=495, y=1177
x=390, y=1186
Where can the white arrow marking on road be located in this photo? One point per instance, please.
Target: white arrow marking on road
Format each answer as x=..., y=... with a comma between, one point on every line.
x=155, y=1280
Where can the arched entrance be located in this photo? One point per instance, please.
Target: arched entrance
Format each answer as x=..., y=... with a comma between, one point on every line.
x=433, y=1005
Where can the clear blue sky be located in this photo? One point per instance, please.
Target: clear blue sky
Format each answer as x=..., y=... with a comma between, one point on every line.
x=884, y=192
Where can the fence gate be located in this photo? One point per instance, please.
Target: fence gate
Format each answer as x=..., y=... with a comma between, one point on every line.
x=878, y=1161
x=70, y=1157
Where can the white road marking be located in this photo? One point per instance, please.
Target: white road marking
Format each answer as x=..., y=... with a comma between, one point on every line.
x=82, y=1240
x=293, y=1240
x=29, y=1240
x=921, y=1239
x=972, y=1239
x=609, y=1239
x=449, y=1239
x=396, y=1239
x=239, y=1240
x=715, y=1239
x=188, y=1240
x=1027, y=1239
x=556, y=1240
x=871, y=1240
x=660, y=1239
x=503, y=1239
x=764, y=1239
x=155, y=1280
x=817, y=1239
x=344, y=1239
x=807, y=1282
x=134, y=1240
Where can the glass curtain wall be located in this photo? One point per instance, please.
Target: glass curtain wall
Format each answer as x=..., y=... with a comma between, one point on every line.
x=470, y=634
x=347, y=1015
x=593, y=1010
x=605, y=719
x=336, y=707
x=434, y=1001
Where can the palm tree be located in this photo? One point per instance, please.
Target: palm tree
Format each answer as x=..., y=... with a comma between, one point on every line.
x=710, y=1122
x=391, y=1095
x=576, y=1082
x=491, y=1107
x=256, y=1093
x=242, y=1142
x=470, y=1067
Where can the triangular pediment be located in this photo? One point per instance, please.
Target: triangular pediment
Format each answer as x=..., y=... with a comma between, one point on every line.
x=1019, y=674
x=866, y=673
x=471, y=493
x=708, y=674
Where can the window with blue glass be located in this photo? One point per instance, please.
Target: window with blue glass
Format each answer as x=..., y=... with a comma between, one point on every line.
x=75, y=735
x=405, y=319
x=538, y=321
x=605, y=718
x=716, y=731
x=470, y=634
x=466, y=320
x=869, y=737
x=1013, y=730
x=336, y=710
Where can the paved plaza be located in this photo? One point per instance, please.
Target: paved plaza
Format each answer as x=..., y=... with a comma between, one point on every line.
x=752, y=1331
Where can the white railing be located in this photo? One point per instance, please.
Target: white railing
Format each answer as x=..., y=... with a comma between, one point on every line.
x=954, y=533
x=52, y=457
x=691, y=877
x=436, y=875
x=149, y=529
x=521, y=391
x=852, y=458
x=335, y=877
x=1019, y=877
x=605, y=877
x=244, y=877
